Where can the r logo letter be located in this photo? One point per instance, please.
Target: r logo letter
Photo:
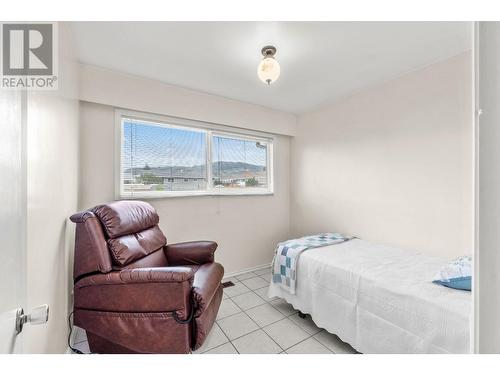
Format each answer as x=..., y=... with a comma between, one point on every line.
x=27, y=49
x=35, y=42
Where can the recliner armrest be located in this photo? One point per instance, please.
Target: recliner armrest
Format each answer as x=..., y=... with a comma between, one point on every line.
x=137, y=290
x=190, y=253
x=206, y=282
x=140, y=275
x=81, y=217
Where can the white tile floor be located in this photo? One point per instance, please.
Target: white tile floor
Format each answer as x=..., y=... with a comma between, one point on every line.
x=250, y=322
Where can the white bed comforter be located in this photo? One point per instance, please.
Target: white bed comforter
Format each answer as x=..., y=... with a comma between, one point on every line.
x=381, y=299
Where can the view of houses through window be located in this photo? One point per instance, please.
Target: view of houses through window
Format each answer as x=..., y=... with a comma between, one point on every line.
x=158, y=157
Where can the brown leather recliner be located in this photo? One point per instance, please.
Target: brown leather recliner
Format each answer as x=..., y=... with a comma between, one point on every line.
x=133, y=292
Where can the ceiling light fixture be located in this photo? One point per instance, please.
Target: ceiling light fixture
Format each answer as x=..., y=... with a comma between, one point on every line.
x=269, y=69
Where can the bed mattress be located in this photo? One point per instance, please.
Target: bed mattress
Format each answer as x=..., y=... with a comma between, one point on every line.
x=381, y=299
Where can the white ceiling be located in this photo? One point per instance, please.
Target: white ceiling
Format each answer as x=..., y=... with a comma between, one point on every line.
x=320, y=61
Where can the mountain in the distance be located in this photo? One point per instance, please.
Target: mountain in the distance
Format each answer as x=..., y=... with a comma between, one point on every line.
x=197, y=171
x=237, y=165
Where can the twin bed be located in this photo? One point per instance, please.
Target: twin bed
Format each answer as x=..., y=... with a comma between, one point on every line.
x=380, y=299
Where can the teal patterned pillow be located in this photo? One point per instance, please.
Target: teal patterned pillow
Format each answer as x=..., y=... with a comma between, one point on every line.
x=457, y=274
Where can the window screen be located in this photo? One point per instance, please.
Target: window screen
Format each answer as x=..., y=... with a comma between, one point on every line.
x=162, y=158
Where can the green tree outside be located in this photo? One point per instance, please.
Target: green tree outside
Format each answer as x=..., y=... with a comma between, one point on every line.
x=149, y=179
x=251, y=182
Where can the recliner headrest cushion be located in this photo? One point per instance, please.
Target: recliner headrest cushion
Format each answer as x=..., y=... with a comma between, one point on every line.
x=120, y=218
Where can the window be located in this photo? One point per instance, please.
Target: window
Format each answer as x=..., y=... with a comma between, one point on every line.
x=161, y=157
x=238, y=163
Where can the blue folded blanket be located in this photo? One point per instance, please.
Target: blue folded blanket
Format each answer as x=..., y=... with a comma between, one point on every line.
x=287, y=254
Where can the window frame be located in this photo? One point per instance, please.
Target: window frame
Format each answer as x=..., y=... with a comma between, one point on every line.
x=210, y=130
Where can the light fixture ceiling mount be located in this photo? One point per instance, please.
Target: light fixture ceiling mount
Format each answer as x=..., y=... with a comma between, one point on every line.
x=268, y=69
x=268, y=51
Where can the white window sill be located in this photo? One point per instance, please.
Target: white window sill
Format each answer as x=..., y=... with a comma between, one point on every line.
x=180, y=194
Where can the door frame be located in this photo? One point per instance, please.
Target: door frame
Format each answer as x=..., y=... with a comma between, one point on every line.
x=16, y=245
x=475, y=119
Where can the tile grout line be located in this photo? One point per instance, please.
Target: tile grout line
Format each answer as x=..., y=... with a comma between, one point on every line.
x=240, y=280
x=236, y=338
x=241, y=309
x=285, y=317
x=217, y=320
x=267, y=325
x=228, y=341
x=262, y=328
x=307, y=338
x=312, y=336
x=252, y=291
x=319, y=342
x=239, y=337
x=218, y=346
x=234, y=347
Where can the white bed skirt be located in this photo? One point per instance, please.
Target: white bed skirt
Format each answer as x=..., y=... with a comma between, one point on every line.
x=381, y=299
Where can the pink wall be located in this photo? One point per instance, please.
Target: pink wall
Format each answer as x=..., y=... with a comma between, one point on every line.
x=392, y=164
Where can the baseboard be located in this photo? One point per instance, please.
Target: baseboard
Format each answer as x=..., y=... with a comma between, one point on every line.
x=251, y=269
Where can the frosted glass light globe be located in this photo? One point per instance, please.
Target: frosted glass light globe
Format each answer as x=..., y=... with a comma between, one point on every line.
x=268, y=70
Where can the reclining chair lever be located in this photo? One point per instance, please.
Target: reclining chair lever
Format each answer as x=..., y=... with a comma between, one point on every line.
x=188, y=320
